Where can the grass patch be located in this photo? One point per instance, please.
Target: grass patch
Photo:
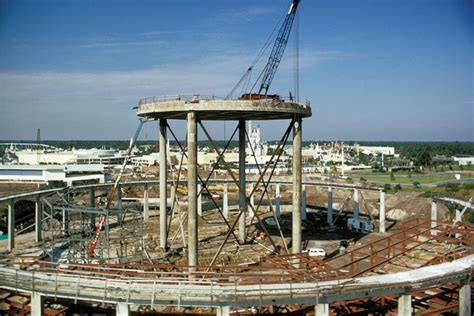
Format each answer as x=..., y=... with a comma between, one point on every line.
x=421, y=180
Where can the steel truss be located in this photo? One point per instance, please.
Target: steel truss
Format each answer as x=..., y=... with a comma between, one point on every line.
x=68, y=228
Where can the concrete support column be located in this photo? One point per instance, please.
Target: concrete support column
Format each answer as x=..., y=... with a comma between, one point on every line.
x=11, y=225
x=252, y=202
x=172, y=195
x=465, y=298
x=329, y=218
x=458, y=216
x=92, y=205
x=277, y=207
x=199, y=202
x=303, y=204
x=92, y=197
x=223, y=311
x=38, y=219
x=242, y=182
x=192, y=191
x=119, y=197
x=146, y=205
x=122, y=309
x=404, y=305
x=277, y=190
x=321, y=310
x=297, y=187
x=434, y=216
x=118, y=203
x=37, y=302
x=65, y=216
x=225, y=201
x=163, y=184
x=356, y=203
x=382, y=213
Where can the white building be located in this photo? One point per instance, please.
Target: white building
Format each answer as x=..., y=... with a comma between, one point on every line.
x=67, y=174
x=464, y=160
x=375, y=150
x=255, y=141
x=81, y=156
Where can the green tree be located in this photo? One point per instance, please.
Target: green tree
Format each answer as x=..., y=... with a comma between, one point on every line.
x=392, y=176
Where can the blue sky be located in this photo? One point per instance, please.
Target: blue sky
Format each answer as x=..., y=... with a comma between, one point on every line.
x=373, y=70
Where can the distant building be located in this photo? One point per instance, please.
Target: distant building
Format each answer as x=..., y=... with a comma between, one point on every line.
x=65, y=174
x=464, y=160
x=80, y=156
x=375, y=150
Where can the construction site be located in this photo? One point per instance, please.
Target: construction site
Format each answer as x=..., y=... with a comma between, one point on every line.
x=190, y=242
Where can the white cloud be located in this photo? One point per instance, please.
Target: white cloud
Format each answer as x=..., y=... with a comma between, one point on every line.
x=97, y=105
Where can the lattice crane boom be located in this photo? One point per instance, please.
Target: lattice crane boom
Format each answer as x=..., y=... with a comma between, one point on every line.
x=278, y=48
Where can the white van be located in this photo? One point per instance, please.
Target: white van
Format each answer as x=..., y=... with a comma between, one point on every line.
x=316, y=252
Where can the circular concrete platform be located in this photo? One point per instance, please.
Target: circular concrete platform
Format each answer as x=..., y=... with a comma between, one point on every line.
x=221, y=110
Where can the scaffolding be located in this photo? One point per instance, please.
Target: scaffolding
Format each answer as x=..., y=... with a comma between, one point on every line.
x=68, y=229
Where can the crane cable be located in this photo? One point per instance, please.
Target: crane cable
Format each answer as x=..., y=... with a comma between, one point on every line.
x=262, y=51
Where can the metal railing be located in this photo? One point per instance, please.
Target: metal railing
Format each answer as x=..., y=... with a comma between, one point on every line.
x=179, y=97
x=205, y=97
